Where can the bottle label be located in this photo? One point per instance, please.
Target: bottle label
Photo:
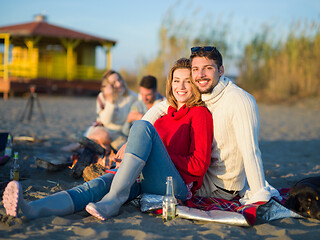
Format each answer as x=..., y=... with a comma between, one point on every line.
x=8, y=151
x=168, y=210
x=14, y=175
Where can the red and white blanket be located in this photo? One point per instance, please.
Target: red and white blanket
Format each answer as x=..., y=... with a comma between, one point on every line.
x=232, y=212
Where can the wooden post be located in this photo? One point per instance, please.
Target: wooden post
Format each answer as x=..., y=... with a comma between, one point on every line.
x=107, y=47
x=5, y=84
x=32, y=62
x=70, y=44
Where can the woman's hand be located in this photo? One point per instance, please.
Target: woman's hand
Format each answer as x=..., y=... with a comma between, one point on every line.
x=118, y=162
x=108, y=92
x=119, y=156
x=121, y=151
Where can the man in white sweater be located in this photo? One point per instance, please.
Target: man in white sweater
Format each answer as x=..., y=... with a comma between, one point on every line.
x=236, y=165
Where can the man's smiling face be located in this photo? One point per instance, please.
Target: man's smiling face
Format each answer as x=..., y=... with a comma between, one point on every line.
x=205, y=73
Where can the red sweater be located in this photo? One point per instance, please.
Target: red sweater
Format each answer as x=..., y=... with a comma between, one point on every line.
x=187, y=135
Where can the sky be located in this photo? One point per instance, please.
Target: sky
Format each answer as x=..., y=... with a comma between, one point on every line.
x=135, y=24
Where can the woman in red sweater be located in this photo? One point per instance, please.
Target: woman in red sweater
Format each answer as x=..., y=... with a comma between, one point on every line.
x=178, y=145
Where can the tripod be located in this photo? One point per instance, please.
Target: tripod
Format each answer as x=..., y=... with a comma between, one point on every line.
x=33, y=97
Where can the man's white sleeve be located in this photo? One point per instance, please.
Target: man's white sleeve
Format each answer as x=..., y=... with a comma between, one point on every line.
x=156, y=112
x=246, y=125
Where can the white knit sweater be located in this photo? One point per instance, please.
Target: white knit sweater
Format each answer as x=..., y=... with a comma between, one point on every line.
x=235, y=159
x=114, y=115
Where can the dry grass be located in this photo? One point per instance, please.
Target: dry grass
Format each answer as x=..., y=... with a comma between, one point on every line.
x=285, y=70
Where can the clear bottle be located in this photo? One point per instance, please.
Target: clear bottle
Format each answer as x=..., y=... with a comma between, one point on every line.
x=8, y=149
x=169, y=202
x=15, y=171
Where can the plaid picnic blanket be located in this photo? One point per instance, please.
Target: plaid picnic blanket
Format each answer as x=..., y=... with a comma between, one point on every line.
x=248, y=211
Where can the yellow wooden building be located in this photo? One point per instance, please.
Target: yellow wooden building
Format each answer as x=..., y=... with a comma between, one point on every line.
x=54, y=58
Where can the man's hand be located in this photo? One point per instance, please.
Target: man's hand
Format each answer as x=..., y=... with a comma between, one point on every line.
x=134, y=116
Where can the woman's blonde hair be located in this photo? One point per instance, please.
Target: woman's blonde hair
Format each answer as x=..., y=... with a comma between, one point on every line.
x=105, y=79
x=195, y=99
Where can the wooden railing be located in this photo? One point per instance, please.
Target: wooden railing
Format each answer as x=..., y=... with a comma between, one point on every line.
x=25, y=70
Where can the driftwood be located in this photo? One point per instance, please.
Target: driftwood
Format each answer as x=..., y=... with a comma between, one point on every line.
x=88, y=156
x=93, y=171
x=85, y=159
x=52, y=161
x=91, y=145
x=99, y=169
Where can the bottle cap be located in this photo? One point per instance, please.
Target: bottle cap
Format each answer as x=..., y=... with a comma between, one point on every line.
x=16, y=154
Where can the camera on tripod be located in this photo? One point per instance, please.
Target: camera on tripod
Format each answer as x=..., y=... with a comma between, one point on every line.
x=29, y=107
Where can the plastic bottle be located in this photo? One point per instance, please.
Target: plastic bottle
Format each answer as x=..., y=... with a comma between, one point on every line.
x=15, y=171
x=169, y=202
x=8, y=149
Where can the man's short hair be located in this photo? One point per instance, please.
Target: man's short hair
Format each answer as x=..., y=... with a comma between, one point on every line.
x=209, y=52
x=149, y=82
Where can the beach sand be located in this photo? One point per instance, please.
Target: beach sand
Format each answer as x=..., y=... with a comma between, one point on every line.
x=289, y=142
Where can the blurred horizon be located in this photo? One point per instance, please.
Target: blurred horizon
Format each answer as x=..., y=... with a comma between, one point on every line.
x=271, y=48
x=135, y=25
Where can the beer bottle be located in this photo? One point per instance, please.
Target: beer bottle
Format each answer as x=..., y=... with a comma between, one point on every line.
x=8, y=149
x=169, y=202
x=15, y=171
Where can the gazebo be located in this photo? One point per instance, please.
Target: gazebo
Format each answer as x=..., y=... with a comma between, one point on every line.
x=53, y=58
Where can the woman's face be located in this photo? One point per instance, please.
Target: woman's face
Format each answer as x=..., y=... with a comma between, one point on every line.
x=116, y=83
x=181, y=86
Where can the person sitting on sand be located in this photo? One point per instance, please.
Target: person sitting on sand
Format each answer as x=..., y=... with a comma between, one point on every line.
x=148, y=97
x=113, y=105
x=236, y=165
x=178, y=145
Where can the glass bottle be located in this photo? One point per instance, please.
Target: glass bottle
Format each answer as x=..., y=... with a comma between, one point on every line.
x=8, y=149
x=169, y=202
x=15, y=171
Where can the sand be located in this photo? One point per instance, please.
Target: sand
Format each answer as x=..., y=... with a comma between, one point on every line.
x=289, y=142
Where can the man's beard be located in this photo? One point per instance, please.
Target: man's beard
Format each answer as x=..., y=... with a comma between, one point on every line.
x=209, y=90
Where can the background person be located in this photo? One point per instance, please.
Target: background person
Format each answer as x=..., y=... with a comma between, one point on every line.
x=112, y=107
x=148, y=96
